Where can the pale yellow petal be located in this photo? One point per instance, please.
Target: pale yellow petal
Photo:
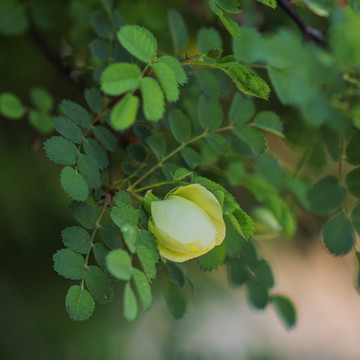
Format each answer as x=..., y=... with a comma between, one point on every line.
x=208, y=202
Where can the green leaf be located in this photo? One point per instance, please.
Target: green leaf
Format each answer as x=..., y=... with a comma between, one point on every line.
x=40, y=121
x=357, y=269
x=326, y=195
x=10, y=105
x=100, y=49
x=41, y=99
x=219, y=144
x=176, y=273
x=95, y=151
x=258, y=294
x=210, y=113
x=122, y=198
x=249, y=47
x=178, y=30
x=213, y=259
x=230, y=6
x=138, y=41
x=77, y=239
x=215, y=8
x=129, y=233
x=153, y=99
x=119, y=78
x=252, y=137
x=248, y=82
x=142, y=133
x=69, y=264
x=167, y=79
x=180, y=125
x=74, y=184
x=124, y=214
x=99, y=284
x=111, y=236
x=83, y=213
x=61, y=151
x=105, y=137
x=101, y=25
x=76, y=113
x=263, y=273
x=355, y=218
x=208, y=82
x=175, y=300
x=100, y=252
x=338, y=235
x=231, y=26
x=353, y=182
x=143, y=288
x=108, y=5
x=118, y=262
x=79, y=303
x=213, y=54
x=124, y=112
x=237, y=272
x=270, y=3
x=89, y=170
x=241, y=110
x=353, y=150
x=208, y=38
x=130, y=303
x=157, y=145
x=269, y=121
x=176, y=67
x=242, y=222
x=68, y=129
x=147, y=252
x=191, y=157
x=13, y=19
x=236, y=173
x=137, y=152
x=282, y=213
x=285, y=309
x=94, y=99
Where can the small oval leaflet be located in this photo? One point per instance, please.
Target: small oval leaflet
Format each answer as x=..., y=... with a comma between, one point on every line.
x=79, y=303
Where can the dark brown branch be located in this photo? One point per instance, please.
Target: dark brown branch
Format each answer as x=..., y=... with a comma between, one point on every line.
x=308, y=32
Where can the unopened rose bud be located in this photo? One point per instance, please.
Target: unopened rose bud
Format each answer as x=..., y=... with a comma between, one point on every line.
x=187, y=223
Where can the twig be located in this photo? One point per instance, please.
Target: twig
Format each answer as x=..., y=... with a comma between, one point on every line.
x=309, y=33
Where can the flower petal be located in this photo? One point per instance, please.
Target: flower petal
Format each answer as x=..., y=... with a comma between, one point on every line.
x=183, y=220
x=208, y=202
x=172, y=250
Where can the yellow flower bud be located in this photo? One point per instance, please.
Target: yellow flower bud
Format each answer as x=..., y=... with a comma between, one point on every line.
x=187, y=223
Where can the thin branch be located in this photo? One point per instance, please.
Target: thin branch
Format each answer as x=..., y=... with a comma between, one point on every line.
x=309, y=33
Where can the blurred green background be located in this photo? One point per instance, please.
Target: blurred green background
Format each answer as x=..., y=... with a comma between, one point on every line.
x=33, y=211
